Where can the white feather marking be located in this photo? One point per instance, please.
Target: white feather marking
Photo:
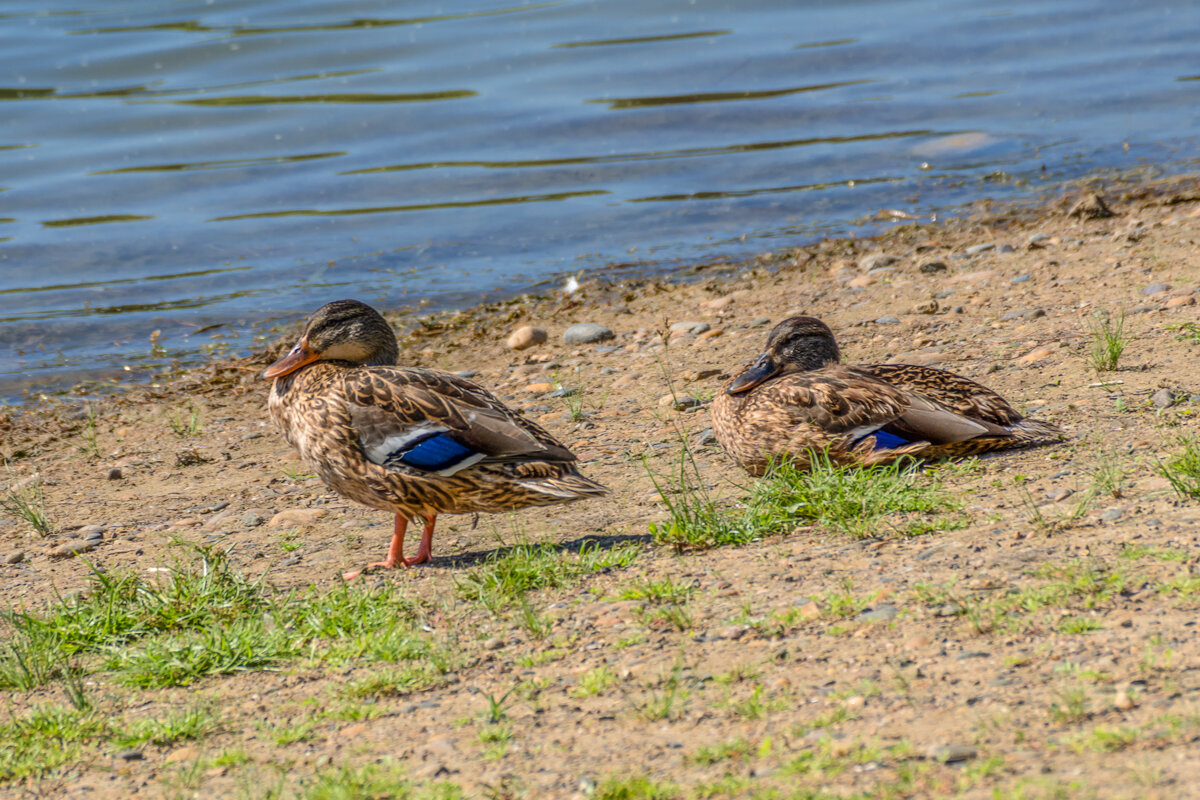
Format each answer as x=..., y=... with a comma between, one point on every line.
x=547, y=489
x=379, y=452
x=863, y=430
x=466, y=462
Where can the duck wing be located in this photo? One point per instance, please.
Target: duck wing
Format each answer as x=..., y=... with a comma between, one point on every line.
x=955, y=392
x=434, y=421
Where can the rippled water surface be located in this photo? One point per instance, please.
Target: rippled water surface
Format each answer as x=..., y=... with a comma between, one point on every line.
x=176, y=164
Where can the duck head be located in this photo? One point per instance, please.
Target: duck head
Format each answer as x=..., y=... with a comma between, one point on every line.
x=344, y=330
x=798, y=344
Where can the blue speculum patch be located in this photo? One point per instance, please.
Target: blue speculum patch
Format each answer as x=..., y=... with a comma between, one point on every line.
x=886, y=441
x=437, y=452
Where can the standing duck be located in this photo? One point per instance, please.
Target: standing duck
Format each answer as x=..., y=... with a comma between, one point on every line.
x=415, y=442
x=798, y=397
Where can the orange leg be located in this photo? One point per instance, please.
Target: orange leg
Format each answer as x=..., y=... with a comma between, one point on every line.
x=395, y=556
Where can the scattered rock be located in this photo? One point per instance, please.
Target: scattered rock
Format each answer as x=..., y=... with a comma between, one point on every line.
x=679, y=401
x=1156, y=288
x=90, y=532
x=1178, y=302
x=1037, y=354
x=758, y=322
x=1112, y=514
x=860, y=282
x=887, y=321
x=540, y=388
x=73, y=548
x=704, y=438
x=855, y=702
x=719, y=303
x=1025, y=278
x=1038, y=241
x=689, y=327
x=297, y=516
x=114, y=474
x=931, y=267
x=586, y=333
x=182, y=754
x=1005, y=248
x=189, y=458
x=1123, y=702
x=1092, y=207
x=1163, y=398
x=525, y=337
x=875, y=261
x=976, y=249
x=881, y=613
x=494, y=643
x=952, y=753
x=252, y=520
x=130, y=754
x=15, y=557
x=1058, y=495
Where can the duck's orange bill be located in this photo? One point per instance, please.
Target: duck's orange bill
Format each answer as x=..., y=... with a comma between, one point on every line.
x=297, y=358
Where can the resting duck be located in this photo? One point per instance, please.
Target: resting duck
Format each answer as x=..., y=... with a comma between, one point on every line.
x=798, y=397
x=415, y=442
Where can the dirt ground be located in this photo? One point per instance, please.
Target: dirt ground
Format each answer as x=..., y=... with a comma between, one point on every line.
x=1046, y=648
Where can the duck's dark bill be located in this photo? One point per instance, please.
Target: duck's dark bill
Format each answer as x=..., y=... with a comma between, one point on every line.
x=297, y=358
x=759, y=371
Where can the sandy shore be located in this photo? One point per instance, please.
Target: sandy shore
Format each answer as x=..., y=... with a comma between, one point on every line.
x=1043, y=645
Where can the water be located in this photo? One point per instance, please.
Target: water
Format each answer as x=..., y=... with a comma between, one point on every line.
x=177, y=164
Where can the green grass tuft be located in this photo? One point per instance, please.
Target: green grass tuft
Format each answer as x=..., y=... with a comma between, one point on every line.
x=1108, y=342
x=1183, y=470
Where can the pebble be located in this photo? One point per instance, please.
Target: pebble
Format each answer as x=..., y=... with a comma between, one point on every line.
x=758, y=322
x=252, y=520
x=719, y=303
x=881, y=613
x=1112, y=514
x=1163, y=398
x=494, y=643
x=704, y=438
x=930, y=267
x=855, y=702
x=73, y=548
x=526, y=336
x=948, y=610
x=679, y=401
x=1005, y=248
x=860, y=282
x=1026, y=278
x=976, y=249
x=297, y=516
x=1123, y=701
x=1038, y=240
x=875, y=261
x=540, y=388
x=951, y=753
x=15, y=557
x=131, y=754
x=1058, y=495
x=689, y=327
x=1156, y=288
x=246, y=437
x=114, y=474
x=1037, y=354
x=887, y=321
x=586, y=333
x=1177, y=302
x=90, y=532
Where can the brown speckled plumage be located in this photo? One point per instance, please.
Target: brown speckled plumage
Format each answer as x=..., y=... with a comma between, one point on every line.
x=347, y=418
x=797, y=398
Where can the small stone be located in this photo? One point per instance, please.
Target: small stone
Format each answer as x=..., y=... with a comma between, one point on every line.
x=976, y=249
x=182, y=754
x=1163, y=398
x=1156, y=288
x=931, y=267
x=15, y=557
x=1178, y=302
x=1038, y=240
x=689, y=327
x=679, y=401
x=1037, y=354
x=875, y=261
x=494, y=643
x=586, y=333
x=297, y=516
x=917, y=642
x=710, y=334
x=704, y=438
x=252, y=520
x=860, y=282
x=247, y=437
x=880, y=613
x=810, y=610
x=131, y=754
x=949, y=610
x=1092, y=207
x=540, y=388
x=1112, y=514
x=114, y=474
x=90, y=532
x=1058, y=495
x=887, y=321
x=1026, y=278
x=73, y=548
x=440, y=746
x=526, y=336
x=951, y=753
x=1123, y=702
x=1005, y=248
x=719, y=303
x=855, y=702
x=732, y=632
x=189, y=458
x=758, y=322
